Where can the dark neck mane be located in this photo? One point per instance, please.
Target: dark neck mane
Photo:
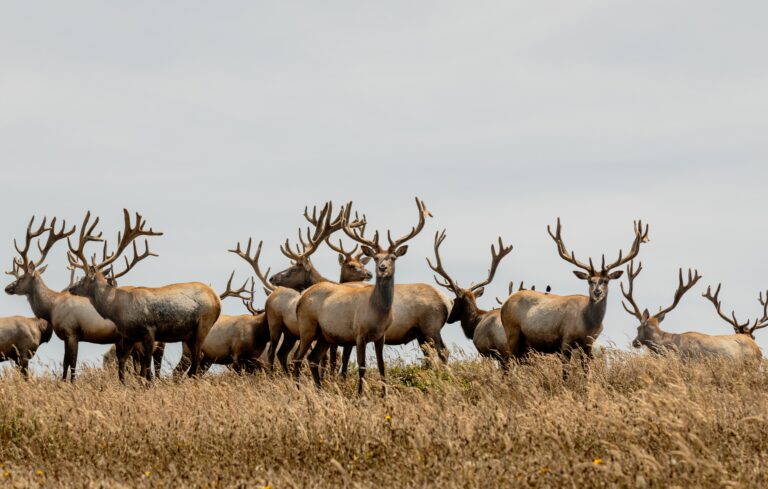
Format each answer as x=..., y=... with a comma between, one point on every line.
x=41, y=299
x=383, y=294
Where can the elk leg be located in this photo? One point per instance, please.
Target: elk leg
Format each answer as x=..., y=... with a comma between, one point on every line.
x=316, y=358
x=275, y=332
x=379, y=347
x=67, y=356
x=148, y=343
x=205, y=364
x=345, y=354
x=72, y=345
x=442, y=350
x=184, y=362
x=24, y=366
x=299, y=356
x=122, y=349
x=157, y=358
x=360, y=365
x=195, y=346
x=334, y=360
x=285, y=349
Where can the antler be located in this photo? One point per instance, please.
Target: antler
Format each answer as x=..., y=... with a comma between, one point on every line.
x=324, y=227
x=448, y=282
x=495, y=260
x=763, y=321
x=741, y=328
x=563, y=251
x=511, y=289
x=76, y=256
x=631, y=275
x=53, y=237
x=254, y=262
x=640, y=238
x=16, y=271
x=245, y=294
x=340, y=248
x=682, y=288
x=423, y=213
x=357, y=233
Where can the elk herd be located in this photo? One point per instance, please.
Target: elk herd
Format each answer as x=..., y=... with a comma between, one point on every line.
x=309, y=316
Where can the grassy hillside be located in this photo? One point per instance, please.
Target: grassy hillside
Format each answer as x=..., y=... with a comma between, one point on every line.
x=638, y=421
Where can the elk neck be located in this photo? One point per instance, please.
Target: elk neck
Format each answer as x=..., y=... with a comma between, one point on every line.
x=315, y=277
x=46, y=330
x=383, y=294
x=594, y=313
x=103, y=299
x=471, y=318
x=41, y=299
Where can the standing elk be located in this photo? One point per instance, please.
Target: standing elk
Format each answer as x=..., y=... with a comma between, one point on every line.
x=483, y=327
x=550, y=323
x=73, y=318
x=285, y=288
x=109, y=359
x=340, y=314
x=180, y=312
x=20, y=337
x=739, y=347
x=236, y=341
x=740, y=328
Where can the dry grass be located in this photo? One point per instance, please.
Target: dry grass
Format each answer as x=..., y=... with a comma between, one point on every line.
x=636, y=421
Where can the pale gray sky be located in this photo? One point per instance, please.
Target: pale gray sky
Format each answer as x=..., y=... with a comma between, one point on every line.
x=220, y=122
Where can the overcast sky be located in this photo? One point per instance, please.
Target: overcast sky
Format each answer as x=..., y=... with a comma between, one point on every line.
x=221, y=121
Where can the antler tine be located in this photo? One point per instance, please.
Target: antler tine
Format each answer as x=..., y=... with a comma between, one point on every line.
x=128, y=236
x=628, y=294
x=254, y=262
x=763, y=321
x=448, y=282
x=640, y=238
x=53, y=238
x=563, y=251
x=357, y=233
x=29, y=236
x=423, y=214
x=715, y=300
x=136, y=259
x=682, y=288
x=340, y=248
x=229, y=292
x=495, y=260
x=76, y=256
x=16, y=270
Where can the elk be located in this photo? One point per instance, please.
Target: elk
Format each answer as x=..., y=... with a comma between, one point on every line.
x=550, y=323
x=340, y=314
x=285, y=288
x=233, y=340
x=738, y=327
x=73, y=318
x=109, y=359
x=482, y=327
x=180, y=312
x=738, y=347
x=20, y=337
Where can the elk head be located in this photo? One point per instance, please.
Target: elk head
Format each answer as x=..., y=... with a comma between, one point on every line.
x=352, y=265
x=649, y=332
x=27, y=271
x=465, y=302
x=598, y=279
x=302, y=274
x=100, y=276
x=738, y=327
x=384, y=257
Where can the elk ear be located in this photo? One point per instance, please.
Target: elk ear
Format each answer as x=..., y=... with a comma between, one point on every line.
x=401, y=251
x=615, y=275
x=91, y=273
x=660, y=317
x=341, y=259
x=42, y=269
x=307, y=265
x=581, y=275
x=479, y=292
x=365, y=259
x=368, y=251
x=646, y=315
x=31, y=267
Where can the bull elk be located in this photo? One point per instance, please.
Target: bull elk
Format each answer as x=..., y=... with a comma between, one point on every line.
x=739, y=327
x=235, y=341
x=550, y=323
x=285, y=288
x=739, y=347
x=340, y=314
x=483, y=327
x=137, y=353
x=180, y=312
x=20, y=337
x=73, y=318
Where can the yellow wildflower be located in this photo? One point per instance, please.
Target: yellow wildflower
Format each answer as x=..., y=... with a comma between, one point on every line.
x=7, y=473
x=40, y=472
x=597, y=461
x=544, y=470
x=147, y=473
x=387, y=418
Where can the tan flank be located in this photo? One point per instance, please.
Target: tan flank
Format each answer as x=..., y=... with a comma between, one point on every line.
x=20, y=337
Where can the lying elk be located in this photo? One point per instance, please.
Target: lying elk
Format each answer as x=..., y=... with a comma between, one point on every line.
x=340, y=314
x=740, y=328
x=549, y=323
x=20, y=337
x=179, y=312
x=738, y=347
x=285, y=288
x=73, y=318
x=483, y=327
x=236, y=341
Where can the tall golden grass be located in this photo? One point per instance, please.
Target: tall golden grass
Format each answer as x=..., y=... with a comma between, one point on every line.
x=633, y=421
